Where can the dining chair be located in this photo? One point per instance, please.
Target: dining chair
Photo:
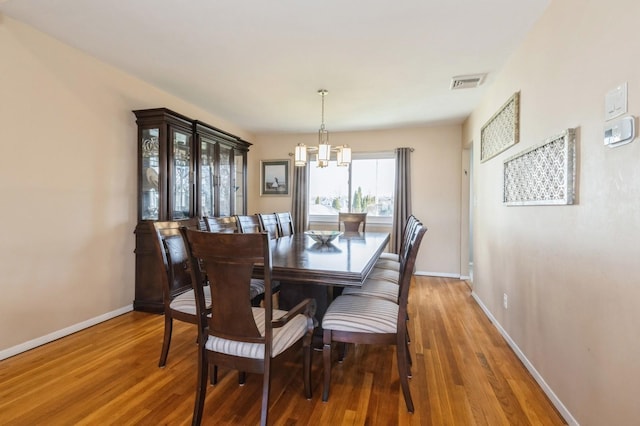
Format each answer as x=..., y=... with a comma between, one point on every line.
x=352, y=221
x=248, y=224
x=229, y=224
x=392, y=260
x=237, y=335
x=372, y=320
x=285, y=224
x=269, y=223
x=384, y=283
x=177, y=293
x=251, y=224
x=221, y=223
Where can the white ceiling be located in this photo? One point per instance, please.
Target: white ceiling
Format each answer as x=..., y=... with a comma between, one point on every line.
x=259, y=64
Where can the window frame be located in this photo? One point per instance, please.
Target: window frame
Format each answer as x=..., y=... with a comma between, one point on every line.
x=374, y=220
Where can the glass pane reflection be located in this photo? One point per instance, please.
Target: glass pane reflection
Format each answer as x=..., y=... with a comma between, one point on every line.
x=150, y=147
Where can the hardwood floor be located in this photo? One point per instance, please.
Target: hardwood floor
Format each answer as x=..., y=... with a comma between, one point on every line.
x=463, y=374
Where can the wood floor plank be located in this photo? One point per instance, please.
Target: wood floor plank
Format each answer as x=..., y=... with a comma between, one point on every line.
x=464, y=373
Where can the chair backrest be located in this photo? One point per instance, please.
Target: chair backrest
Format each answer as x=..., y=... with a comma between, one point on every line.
x=352, y=221
x=248, y=224
x=228, y=261
x=221, y=224
x=269, y=223
x=407, y=233
x=407, y=265
x=172, y=255
x=285, y=224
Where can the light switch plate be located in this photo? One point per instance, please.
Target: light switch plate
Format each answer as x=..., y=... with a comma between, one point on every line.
x=615, y=102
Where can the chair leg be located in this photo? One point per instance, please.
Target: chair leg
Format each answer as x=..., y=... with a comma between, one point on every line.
x=266, y=385
x=242, y=378
x=326, y=363
x=403, y=371
x=255, y=302
x=213, y=378
x=409, y=361
x=306, y=368
x=166, y=341
x=201, y=391
x=342, y=351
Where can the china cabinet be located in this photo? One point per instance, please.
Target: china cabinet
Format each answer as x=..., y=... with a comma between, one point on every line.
x=221, y=170
x=186, y=168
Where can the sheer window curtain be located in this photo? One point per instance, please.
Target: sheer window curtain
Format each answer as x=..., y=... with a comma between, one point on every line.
x=401, y=197
x=300, y=199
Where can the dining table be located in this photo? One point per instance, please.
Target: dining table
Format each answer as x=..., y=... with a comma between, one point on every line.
x=306, y=268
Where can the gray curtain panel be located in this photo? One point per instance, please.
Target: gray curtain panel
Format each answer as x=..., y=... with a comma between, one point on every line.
x=300, y=199
x=402, y=196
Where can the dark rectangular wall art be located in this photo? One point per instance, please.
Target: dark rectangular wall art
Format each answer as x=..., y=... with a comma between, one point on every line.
x=274, y=177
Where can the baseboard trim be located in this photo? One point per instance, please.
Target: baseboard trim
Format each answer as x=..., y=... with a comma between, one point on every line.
x=23, y=347
x=528, y=365
x=437, y=274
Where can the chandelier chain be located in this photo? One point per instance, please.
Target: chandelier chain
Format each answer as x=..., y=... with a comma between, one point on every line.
x=324, y=149
x=322, y=93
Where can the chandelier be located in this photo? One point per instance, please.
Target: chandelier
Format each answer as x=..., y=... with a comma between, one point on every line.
x=324, y=149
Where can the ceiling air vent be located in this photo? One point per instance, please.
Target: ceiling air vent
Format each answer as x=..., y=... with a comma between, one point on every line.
x=467, y=81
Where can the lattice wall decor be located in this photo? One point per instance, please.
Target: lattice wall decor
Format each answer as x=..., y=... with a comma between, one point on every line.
x=544, y=174
x=502, y=130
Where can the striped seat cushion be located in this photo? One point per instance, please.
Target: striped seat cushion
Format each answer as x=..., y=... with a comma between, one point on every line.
x=361, y=314
x=388, y=264
x=384, y=274
x=186, y=302
x=256, y=288
x=283, y=337
x=390, y=256
x=375, y=288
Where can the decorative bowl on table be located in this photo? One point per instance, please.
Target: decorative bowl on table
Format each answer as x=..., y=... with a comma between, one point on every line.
x=323, y=237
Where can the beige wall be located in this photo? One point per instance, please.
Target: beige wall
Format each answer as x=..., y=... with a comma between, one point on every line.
x=570, y=272
x=67, y=183
x=436, y=178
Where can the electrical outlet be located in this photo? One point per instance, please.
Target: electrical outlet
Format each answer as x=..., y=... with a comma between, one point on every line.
x=505, y=300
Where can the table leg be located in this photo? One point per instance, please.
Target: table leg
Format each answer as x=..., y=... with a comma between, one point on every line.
x=293, y=293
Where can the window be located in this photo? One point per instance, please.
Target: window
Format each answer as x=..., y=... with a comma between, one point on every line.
x=365, y=186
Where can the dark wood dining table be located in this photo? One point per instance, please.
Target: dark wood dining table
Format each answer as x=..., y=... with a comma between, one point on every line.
x=345, y=261
x=305, y=268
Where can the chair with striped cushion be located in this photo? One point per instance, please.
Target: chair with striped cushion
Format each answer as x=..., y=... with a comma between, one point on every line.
x=383, y=282
x=285, y=224
x=221, y=223
x=248, y=224
x=373, y=320
x=352, y=221
x=177, y=293
x=229, y=224
x=385, y=274
x=269, y=223
x=237, y=335
x=392, y=260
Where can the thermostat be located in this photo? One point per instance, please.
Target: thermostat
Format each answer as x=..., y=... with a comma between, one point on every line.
x=620, y=132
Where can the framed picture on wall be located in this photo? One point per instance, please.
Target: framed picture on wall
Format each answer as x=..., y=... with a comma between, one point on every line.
x=274, y=177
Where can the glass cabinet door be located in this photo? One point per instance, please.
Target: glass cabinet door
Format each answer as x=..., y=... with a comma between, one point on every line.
x=182, y=175
x=207, y=177
x=150, y=170
x=238, y=184
x=225, y=180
